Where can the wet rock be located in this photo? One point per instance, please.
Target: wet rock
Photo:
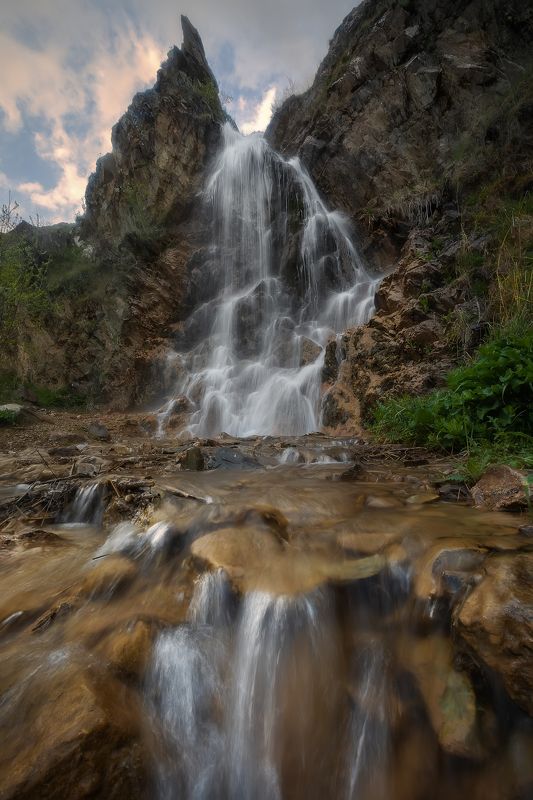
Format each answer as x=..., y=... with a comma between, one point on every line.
x=85, y=469
x=354, y=569
x=111, y=574
x=57, y=612
x=496, y=622
x=422, y=499
x=367, y=543
x=333, y=415
x=453, y=492
x=39, y=538
x=128, y=649
x=227, y=457
x=310, y=351
x=445, y=557
x=71, y=451
x=448, y=694
x=382, y=501
x=526, y=530
x=501, y=488
x=193, y=459
x=72, y=742
x=98, y=431
x=235, y=550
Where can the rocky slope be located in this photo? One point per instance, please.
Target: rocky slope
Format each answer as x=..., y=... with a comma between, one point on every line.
x=118, y=276
x=418, y=119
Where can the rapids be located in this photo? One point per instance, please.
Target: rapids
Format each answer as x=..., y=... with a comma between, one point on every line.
x=284, y=277
x=276, y=632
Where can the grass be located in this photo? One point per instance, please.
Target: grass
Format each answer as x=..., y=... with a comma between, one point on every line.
x=62, y=397
x=485, y=411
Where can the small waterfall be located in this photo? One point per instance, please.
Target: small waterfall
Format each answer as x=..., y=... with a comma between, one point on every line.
x=240, y=708
x=284, y=654
x=185, y=687
x=282, y=277
x=87, y=507
x=368, y=728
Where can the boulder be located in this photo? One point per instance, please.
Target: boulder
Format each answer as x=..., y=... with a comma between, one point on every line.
x=447, y=557
x=496, y=622
x=193, y=459
x=15, y=414
x=72, y=742
x=448, y=694
x=97, y=430
x=111, y=574
x=309, y=351
x=127, y=650
x=501, y=488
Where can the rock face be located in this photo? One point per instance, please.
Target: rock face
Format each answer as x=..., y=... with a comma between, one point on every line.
x=81, y=745
x=417, y=105
x=129, y=254
x=501, y=489
x=496, y=621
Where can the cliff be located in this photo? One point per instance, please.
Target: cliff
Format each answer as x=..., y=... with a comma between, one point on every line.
x=418, y=125
x=117, y=280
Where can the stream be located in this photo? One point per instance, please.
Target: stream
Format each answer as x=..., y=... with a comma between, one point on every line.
x=259, y=631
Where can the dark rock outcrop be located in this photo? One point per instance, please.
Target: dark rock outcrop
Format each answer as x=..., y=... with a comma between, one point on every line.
x=118, y=278
x=418, y=106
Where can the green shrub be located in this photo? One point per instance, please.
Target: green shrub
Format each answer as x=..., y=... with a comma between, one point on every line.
x=57, y=398
x=23, y=292
x=7, y=417
x=489, y=398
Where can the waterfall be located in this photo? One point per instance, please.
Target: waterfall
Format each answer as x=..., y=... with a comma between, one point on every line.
x=235, y=704
x=87, y=507
x=281, y=278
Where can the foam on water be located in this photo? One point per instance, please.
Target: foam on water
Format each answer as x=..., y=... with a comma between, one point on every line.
x=284, y=278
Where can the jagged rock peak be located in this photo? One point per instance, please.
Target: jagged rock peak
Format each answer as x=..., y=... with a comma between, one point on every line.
x=193, y=48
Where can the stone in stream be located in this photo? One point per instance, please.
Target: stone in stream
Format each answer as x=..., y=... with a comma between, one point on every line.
x=74, y=741
x=227, y=457
x=254, y=559
x=111, y=574
x=501, y=488
x=496, y=622
x=128, y=649
x=462, y=558
x=448, y=694
x=193, y=459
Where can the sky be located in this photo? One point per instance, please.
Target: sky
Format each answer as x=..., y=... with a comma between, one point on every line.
x=71, y=67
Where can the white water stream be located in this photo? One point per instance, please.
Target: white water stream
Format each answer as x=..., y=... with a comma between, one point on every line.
x=284, y=277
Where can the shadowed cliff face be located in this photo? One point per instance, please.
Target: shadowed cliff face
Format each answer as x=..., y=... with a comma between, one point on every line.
x=405, y=83
x=117, y=280
x=418, y=106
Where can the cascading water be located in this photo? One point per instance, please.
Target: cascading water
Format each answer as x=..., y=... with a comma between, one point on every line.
x=228, y=701
x=283, y=278
x=87, y=507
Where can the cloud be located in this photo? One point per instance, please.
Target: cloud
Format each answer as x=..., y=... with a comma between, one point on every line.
x=69, y=111
x=71, y=68
x=261, y=113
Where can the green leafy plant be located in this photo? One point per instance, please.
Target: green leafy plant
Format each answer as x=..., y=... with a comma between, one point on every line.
x=487, y=399
x=23, y=291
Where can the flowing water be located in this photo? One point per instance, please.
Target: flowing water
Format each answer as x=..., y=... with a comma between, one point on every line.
x=292, y=638
x=283, y=278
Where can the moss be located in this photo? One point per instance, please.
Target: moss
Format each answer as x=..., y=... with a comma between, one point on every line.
x=62, y=397
x=209, y=93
